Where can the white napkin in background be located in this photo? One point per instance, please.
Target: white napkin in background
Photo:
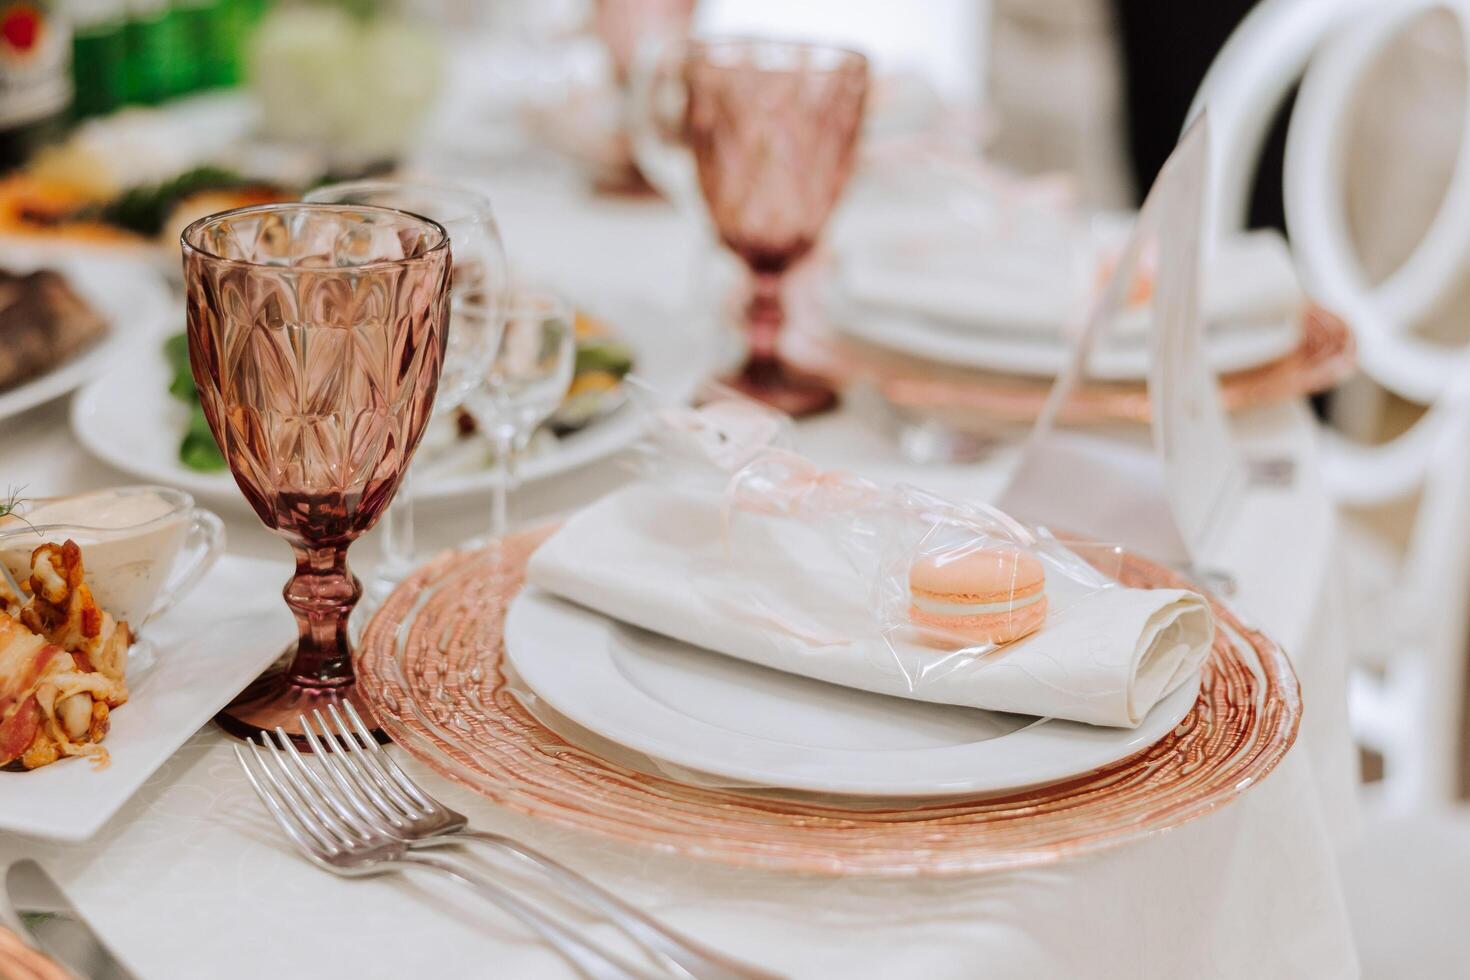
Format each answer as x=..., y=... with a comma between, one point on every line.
x=1039, y=283
x=655, y=557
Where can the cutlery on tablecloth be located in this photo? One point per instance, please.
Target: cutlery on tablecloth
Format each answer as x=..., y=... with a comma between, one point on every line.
x=333, y=837
x=369, y=787
x=47, y=917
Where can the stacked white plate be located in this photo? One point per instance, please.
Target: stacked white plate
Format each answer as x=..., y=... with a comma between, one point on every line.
x=1008, y=297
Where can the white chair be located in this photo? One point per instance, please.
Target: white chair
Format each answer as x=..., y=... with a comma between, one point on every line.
x=1405, y=877
x=1410, y=623
x=1409, y=707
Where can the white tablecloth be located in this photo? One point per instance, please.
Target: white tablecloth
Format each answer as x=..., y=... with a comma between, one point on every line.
x=192, y=880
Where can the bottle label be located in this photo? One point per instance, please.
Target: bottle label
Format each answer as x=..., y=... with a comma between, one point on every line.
x=35, y=50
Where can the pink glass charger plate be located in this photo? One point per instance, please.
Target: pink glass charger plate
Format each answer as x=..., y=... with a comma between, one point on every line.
x=1326, y=355
x=430, y=666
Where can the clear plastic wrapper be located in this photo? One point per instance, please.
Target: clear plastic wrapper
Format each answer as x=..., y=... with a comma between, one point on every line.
x=939, y=583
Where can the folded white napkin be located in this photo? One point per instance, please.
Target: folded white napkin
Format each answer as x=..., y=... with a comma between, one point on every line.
x=967, y=278
x=656, y=557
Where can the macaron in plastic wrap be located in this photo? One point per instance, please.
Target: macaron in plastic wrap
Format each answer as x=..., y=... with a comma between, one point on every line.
x=989, y=595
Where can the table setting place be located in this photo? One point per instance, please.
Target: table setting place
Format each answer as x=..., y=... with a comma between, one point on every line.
x=958, y=623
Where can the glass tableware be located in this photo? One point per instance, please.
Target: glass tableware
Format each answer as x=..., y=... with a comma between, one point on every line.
x=143, y=548
x=316, y=337
x=629, y=29
x=525, y=384
x=475, y=320
x=773, y=128
x=626, y=26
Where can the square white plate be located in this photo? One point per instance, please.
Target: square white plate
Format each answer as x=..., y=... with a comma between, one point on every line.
x=218, y=639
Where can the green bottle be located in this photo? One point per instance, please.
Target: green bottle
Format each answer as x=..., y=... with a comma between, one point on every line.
x=196, y=30
x=98, y=55
x=150, y=43
x=231, y=23
x=35, y=78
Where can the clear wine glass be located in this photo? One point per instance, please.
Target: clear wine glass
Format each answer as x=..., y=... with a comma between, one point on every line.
x=316, y=337
x=526, y=382
x=476, y=312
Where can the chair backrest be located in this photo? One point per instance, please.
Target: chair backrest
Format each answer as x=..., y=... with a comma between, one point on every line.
x=1332, y=45
x=1247, y=84
x=1315, y=191
x=1329, y=45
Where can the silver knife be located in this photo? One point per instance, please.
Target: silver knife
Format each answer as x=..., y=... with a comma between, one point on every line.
x=47, y=917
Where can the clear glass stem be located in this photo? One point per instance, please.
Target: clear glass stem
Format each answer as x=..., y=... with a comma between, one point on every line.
x=504, y=475
x=399, y=548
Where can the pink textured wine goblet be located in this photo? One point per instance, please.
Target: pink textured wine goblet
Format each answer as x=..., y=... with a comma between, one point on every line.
x=773, y=127
x=316, y=337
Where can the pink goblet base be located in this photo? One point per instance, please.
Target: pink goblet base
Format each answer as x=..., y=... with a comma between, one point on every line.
x=775, y=383
x=277, y=699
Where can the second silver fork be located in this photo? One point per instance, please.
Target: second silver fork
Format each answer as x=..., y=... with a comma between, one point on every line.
x=382, y=794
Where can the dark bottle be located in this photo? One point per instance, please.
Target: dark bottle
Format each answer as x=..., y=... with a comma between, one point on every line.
x=35, y=78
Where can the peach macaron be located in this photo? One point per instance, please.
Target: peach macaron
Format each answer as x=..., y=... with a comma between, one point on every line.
x=990, y=595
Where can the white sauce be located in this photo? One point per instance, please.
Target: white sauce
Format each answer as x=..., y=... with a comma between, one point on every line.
x=128, y=547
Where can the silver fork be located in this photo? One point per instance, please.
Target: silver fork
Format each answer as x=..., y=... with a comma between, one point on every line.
x=327, y=834
x=393, y=804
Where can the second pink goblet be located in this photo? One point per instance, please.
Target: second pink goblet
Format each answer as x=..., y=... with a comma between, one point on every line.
x=773, y=127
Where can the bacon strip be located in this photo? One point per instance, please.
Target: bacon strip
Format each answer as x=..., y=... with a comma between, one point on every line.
x=14, y=687
x=17, y=731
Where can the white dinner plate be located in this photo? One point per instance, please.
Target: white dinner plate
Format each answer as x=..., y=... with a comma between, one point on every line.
x=1229, y=348
x=128, y=419
x=743, y=722
x=129, y=295
x=219, y=638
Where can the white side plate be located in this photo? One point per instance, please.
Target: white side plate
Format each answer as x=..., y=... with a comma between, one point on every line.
x=739, y=721
x=129, y=420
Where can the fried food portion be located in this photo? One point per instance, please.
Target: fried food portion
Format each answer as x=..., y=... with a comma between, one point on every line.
x=62, y=659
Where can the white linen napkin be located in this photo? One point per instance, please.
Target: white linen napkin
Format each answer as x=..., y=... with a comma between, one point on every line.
x=970, y=280
x=656, y=558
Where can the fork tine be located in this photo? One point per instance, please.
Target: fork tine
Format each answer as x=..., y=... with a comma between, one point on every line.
x=341, y=761
x=388, y=763
x=320, y=801
x=298, y=763
x=361, y=756
x=305, y=843
x=284, y=796
x=372, y=760
x=385, y=819
x=393, y=805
